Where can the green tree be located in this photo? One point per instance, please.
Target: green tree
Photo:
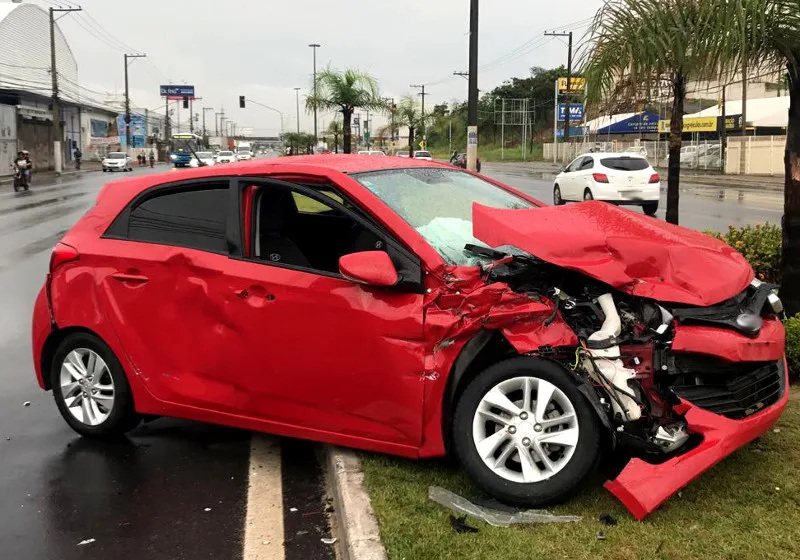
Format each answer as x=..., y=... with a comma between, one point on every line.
x=344, y=92
x=674, y=41
x=335, y=130
x=409, y=114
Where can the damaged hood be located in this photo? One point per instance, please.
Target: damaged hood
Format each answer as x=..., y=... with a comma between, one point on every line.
x=636, y=254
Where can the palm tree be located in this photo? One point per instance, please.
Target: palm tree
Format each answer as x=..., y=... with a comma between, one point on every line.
x=409, y=114
x=774, y=39
x=344, y=92
x=669, y=41
x=335, y=129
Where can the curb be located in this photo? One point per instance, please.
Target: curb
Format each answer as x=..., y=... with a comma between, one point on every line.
x=356, y=525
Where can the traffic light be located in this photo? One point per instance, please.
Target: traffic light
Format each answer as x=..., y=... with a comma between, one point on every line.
x=185, y=102
x=394, y=107
x=241, y=101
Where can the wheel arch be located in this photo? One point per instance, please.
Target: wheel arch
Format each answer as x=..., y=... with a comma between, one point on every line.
x=51, y=344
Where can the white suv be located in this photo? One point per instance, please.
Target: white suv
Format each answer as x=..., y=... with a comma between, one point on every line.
x=621, y=178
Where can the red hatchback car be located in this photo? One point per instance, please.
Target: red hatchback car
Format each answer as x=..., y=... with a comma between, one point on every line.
x=412, y=308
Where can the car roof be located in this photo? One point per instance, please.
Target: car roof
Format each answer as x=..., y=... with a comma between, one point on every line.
x=612, y=154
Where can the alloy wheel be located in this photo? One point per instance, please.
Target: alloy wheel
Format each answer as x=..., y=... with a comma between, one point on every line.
x=557, y=196
x=87, y=386
x=525, y=429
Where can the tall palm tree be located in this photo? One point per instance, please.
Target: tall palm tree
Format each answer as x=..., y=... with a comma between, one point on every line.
x=344, y=92
x=774, y=38
x=668, y=41
x=409, y=114
x=335, y=129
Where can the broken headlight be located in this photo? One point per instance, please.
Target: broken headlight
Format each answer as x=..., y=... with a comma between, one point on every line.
x=774, y=303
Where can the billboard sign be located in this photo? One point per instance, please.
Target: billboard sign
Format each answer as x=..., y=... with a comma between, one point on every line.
x=177, y=92
x=138, y=131
x=576, y=85
x=704, y=124
x=575, y=112
x=574, y=131
x=640, y=123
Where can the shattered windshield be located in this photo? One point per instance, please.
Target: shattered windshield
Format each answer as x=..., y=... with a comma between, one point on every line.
x=438, y=204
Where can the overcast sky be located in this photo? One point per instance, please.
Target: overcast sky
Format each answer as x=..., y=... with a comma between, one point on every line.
x=259, y=48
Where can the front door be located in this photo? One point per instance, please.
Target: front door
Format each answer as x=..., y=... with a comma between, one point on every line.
x=324, y=353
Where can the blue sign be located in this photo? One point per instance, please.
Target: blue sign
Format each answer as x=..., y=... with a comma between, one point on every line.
x=138, y=131
x=575, y=112
x=573, y=131
x=642, y=123
x=177, y=92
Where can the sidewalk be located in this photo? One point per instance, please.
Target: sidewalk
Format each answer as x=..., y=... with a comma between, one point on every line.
x=694, y=177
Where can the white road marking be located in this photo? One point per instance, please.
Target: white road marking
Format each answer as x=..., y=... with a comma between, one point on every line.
x=263, y=533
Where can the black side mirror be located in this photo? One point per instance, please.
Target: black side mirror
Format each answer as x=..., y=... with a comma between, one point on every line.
x=562, y=169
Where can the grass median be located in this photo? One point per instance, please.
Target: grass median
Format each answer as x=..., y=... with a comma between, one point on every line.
x=746, y=507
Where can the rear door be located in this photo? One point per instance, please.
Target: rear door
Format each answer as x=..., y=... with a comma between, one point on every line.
x=161, y=285
x=629, y=174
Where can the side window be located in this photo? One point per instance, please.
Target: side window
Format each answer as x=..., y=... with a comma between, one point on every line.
x=193, y=218
x=292, y=228
x=588, y=163
x=575, y=165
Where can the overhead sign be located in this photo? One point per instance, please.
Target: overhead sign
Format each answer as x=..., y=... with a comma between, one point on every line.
x=576, y=85
x=642, y=123
x=704, y=124
x=575, y=112
x=177, y=92
x=138, y=131
x=34, y=112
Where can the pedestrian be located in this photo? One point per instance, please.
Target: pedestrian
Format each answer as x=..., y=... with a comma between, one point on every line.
x=152, y=158
x=78, y=155
x=140, y=157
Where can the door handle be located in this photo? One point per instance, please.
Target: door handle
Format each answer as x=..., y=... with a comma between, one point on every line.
x=130, y=278
x=257, y=292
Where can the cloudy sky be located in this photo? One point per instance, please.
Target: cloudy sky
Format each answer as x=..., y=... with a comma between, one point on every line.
x=259, y=48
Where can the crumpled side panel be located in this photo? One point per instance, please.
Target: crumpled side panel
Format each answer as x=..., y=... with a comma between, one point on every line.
x=457, y=306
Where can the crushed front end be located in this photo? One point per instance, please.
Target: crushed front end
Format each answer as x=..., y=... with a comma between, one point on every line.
x=678, y=386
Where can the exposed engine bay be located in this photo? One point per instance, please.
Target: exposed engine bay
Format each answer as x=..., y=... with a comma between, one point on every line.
x=626, y=356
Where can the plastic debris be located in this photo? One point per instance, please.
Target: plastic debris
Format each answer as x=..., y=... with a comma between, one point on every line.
x=293, y=510
x=26, y=403
x=601, y=536
x=8, y=438
x=607, y=519
x=86, y=541
x=265, y=543
x=459, y=524
x=777, y=430
x=207, y=510
x=494, y=517
x=328, y=541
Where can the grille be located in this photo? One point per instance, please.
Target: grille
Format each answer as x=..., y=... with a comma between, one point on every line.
x=730, y=393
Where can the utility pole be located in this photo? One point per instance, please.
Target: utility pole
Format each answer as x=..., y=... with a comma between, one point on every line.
x=205, y=131
x=423, y=94
x=724, y=132
x=297, y=95
x=128, y=101
x=568, y=89
x=57, y=133
x=191, y=116
x=742, y=152
x=472, y=102
x=314, y=47
x=216, y=123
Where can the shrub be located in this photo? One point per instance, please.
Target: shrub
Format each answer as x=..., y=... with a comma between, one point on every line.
x=792, y=325
x=760, y=245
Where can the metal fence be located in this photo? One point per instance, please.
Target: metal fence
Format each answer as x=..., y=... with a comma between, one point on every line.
x=763, y=155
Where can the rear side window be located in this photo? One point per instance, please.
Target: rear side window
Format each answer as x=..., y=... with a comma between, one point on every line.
x=625, y=163
x=188, y=218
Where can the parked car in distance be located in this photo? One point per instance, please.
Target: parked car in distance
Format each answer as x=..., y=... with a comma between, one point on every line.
x=413, y=308
x=207, y=158
x=226, y=156
x=460, y=160
x=621, y=178
x=371, y=153
x=423, y=154
x=117, y=161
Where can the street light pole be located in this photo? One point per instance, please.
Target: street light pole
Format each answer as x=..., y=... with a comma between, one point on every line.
x=297, y=95
x=205, y=131
x=57, y=132
x=128, y=101
x=314, y=47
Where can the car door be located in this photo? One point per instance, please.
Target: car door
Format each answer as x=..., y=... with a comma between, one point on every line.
x=324, y=354
x=568, y=182
x=160, y=284
x=583, y=176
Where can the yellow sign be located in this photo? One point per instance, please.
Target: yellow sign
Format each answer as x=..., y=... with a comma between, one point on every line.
x=691, y=124
x=422, y=144
x=576, y=85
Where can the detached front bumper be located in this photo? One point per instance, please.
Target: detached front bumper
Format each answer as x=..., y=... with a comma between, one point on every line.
x=642, y=487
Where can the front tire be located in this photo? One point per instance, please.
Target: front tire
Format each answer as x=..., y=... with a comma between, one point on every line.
x=90, y=388
x=650, y=208
x=518, y=450
x=557, y=200
x=587, y=195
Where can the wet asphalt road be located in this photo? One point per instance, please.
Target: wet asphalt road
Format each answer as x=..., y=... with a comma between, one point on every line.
x=145, y=497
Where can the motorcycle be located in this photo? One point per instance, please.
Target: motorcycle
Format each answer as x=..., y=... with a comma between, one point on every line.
x=21, y=178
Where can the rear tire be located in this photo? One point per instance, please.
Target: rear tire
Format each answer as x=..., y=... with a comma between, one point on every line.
x=90, y=388
x=553, y=470
x=587, y=195
x=650, y=208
